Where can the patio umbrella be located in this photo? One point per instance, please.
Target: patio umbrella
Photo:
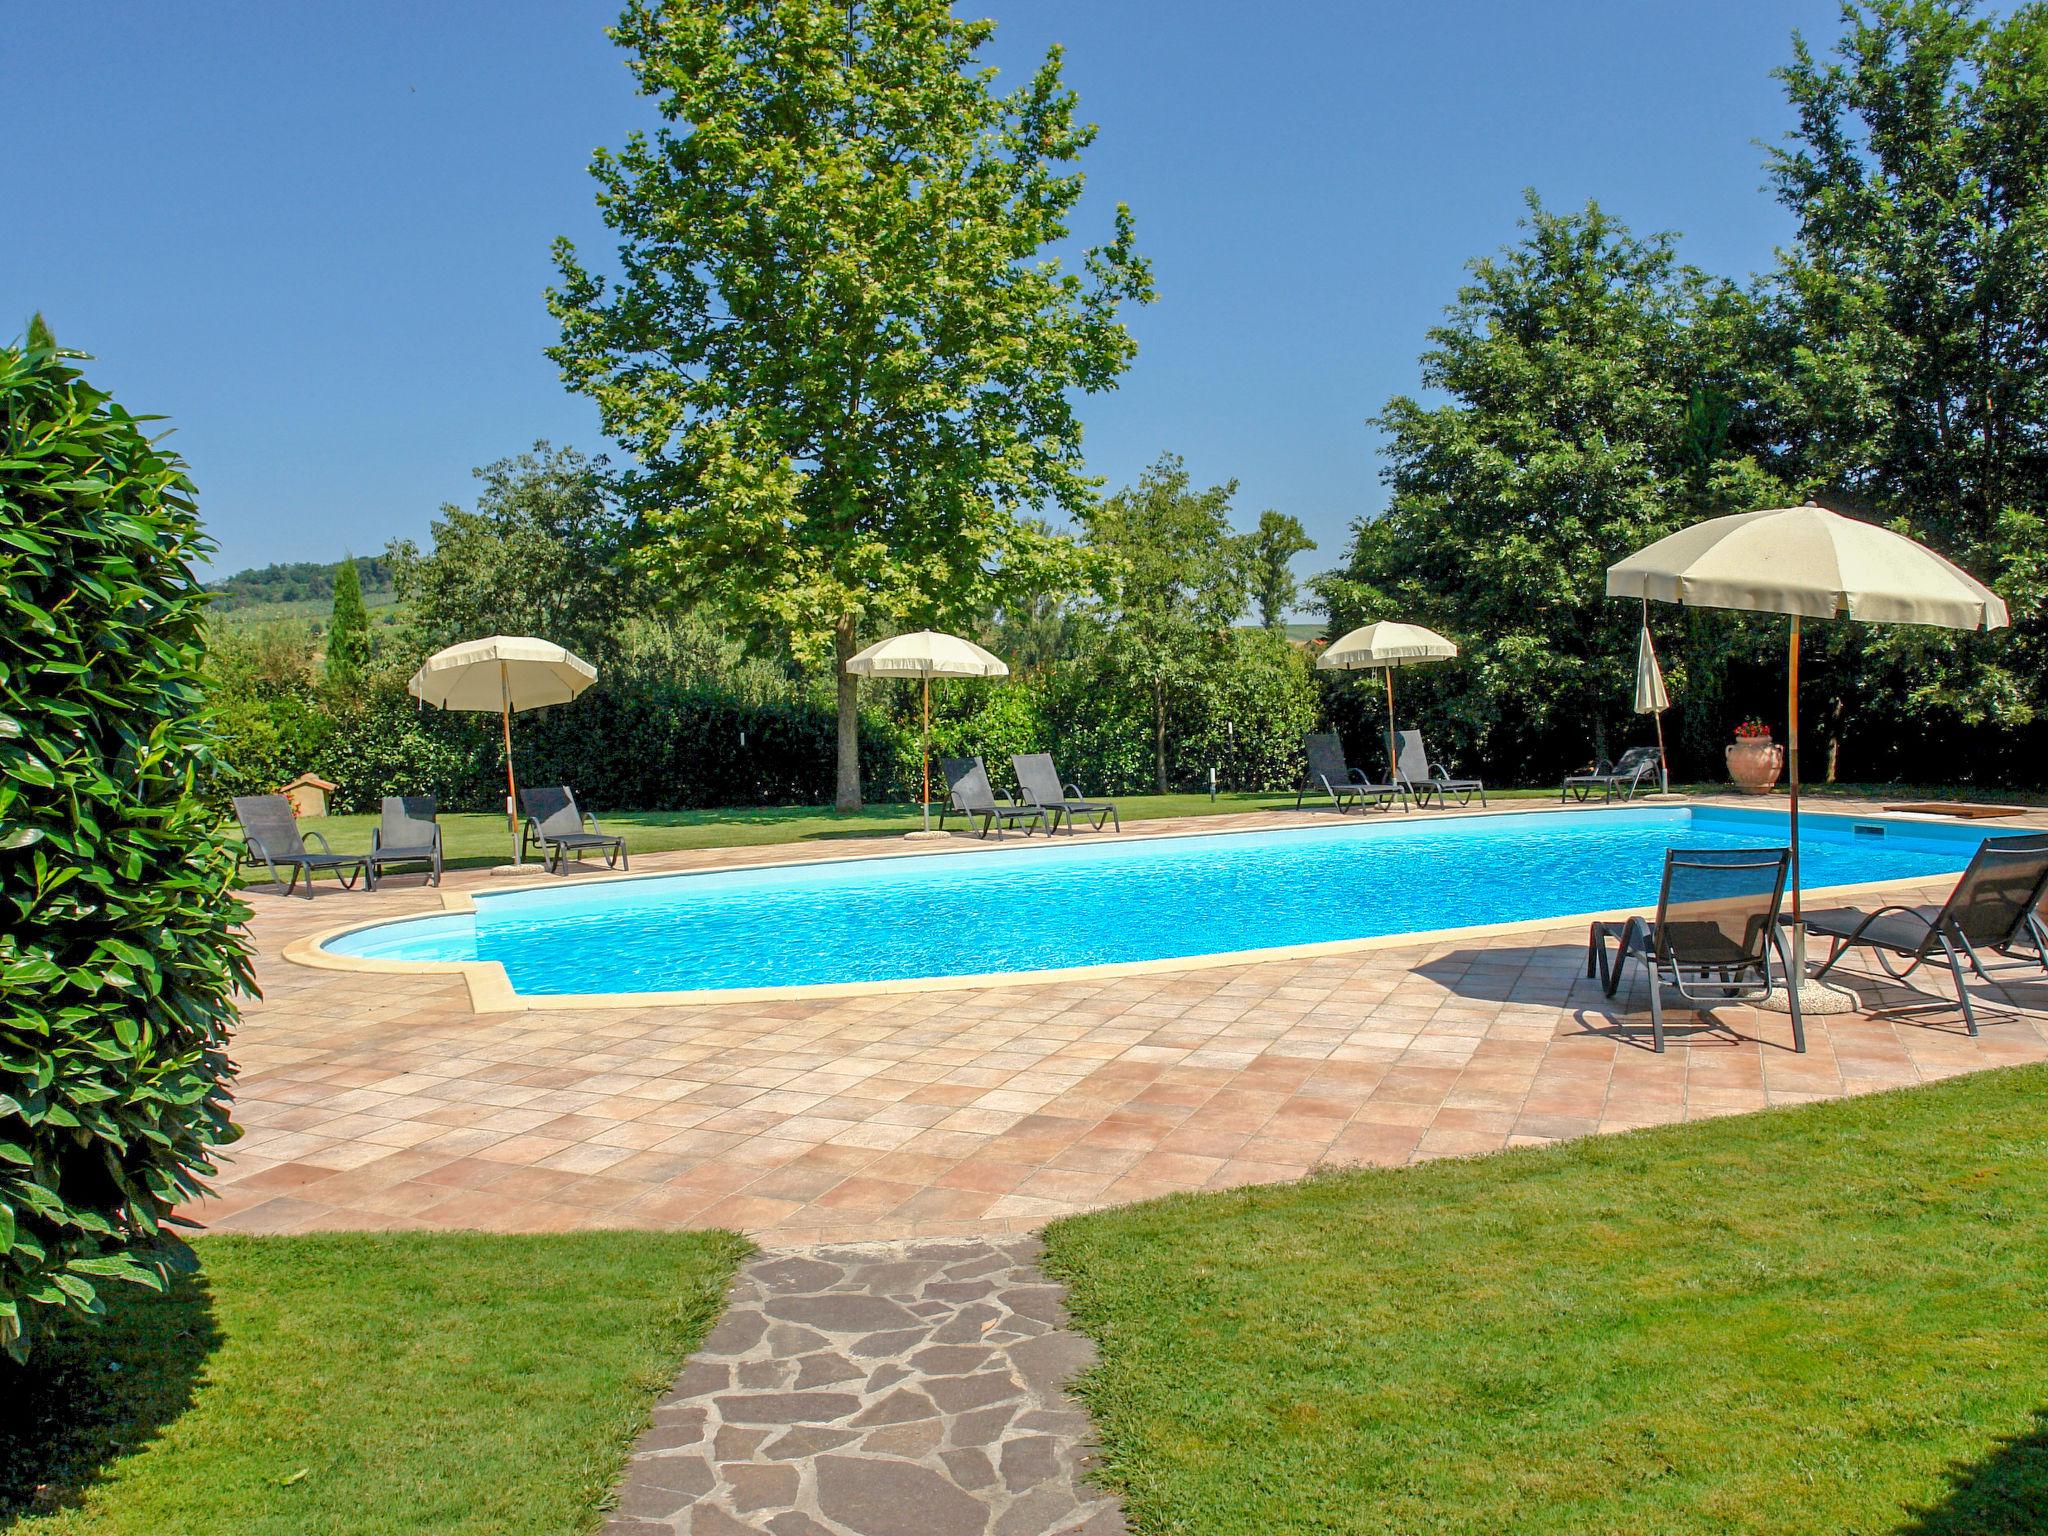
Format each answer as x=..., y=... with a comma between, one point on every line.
x=1651, y=697
x=926, y=654
x=1383, y=647
x=1806, y=562
x=503, y=673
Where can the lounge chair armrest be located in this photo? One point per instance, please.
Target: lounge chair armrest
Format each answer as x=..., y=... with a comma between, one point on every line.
x=1357, y=776
x=590, y=821
x=376, y=838
x=321, y=839
x=1073, y=792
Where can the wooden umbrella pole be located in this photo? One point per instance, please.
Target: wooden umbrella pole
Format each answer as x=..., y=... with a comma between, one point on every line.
x=511, y=782
x=1792, y=769
x=1393, y=758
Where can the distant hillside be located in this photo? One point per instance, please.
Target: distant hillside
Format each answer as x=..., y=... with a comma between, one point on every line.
x=301, y=581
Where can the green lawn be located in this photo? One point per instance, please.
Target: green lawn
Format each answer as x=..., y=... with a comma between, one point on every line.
x=359, y=1386
x=474, y=840
x=1824, y=1319
x=481, y=839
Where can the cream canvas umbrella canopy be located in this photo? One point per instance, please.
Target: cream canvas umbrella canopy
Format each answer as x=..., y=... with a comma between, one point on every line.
x=1383, y=647
x=926, y=654
x=505, y=674
x=1810, y=563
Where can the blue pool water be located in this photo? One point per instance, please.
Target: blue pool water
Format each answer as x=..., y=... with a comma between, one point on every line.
x=1078, y=903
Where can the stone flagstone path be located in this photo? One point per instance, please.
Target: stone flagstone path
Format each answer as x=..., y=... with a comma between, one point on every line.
x=880, y=1389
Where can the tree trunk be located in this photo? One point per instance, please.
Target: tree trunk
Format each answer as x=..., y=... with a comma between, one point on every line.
x=1159, y=733
x=847, y=796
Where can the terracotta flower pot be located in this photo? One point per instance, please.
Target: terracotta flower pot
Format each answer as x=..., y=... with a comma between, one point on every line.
x=1754, y=763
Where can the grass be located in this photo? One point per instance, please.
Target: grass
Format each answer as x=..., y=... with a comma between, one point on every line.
x=474, y=840
x=359, y=1386
x=470, y=839
x=1827, y=1318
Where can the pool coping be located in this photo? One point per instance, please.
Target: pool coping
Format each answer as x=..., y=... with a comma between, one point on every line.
x=490, y=988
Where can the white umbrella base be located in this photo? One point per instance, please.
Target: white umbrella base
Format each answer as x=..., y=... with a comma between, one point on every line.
x=1814, y=997
x=932, y=836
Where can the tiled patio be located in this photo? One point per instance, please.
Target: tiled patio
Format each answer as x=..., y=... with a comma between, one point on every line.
x=375, y=1101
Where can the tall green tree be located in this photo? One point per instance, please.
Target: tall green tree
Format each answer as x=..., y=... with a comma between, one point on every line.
x=1172, y=582
x=838, y=343
x=546, y=551
x=1594, y=399
x=348, y=629
x=1913, y=310
x=1269, y=552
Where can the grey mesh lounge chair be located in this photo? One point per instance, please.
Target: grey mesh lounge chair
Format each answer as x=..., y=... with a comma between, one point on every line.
x=954, y=769
x=406, y=834
x=1328, y=772
x=1993, y=907
x=1039, y=782
x=555, y=823
x=1627, y=775
x=974, y=796
x=270, y=833
x=1425, y=778
x=1713, y=936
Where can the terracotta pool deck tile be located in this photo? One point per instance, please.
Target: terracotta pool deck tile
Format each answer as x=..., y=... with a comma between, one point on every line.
x=371, y=1100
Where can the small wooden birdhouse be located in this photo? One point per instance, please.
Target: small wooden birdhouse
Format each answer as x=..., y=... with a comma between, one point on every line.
x=308, y=794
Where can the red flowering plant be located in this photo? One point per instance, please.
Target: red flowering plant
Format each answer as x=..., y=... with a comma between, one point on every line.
x=1752, y=729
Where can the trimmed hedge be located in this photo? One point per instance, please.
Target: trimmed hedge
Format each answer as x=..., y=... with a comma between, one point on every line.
x=643, y=738
x=119, y=956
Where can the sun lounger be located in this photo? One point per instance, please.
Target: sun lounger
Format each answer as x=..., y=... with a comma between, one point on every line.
x=407, y=833
x=1041, y=785
x=270, y=833
x=1425, y=778
x=560, y=828
x=1994, y=907
x=1329, y=774
x=1626, y=776
x=1712, y=939
x=973, y=796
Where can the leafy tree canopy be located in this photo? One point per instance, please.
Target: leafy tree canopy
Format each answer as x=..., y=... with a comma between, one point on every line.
x=1269, y=552
x=1594, y=392
x=1171, y=581
x=1913, y=318
x=836, y=343
x=544, y=552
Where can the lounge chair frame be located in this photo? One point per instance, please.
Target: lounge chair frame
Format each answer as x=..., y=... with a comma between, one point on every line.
x=1328, y=772
x=1984, y=912
x=560, y=827
x=1627, y=775
x=1426, y=779
x=1705, y=974
x=1039, y=784
x=973, y=796
x=271, y=836
x=406, y=833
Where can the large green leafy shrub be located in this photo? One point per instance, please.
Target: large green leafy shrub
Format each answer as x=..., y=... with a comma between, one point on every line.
x=119, y=956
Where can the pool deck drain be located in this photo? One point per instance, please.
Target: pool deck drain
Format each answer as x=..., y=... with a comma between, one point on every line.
x=880, y=1389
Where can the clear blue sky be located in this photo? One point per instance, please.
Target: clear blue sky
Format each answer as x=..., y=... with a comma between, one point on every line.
x=316, y=237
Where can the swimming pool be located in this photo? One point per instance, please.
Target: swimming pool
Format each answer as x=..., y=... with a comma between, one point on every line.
x=1067, y=903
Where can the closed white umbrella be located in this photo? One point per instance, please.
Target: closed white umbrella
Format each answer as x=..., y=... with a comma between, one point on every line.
x=503, y=673
x=1382, y=647
x=1807, y=562
x=926, y=654
x=1651, y=697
